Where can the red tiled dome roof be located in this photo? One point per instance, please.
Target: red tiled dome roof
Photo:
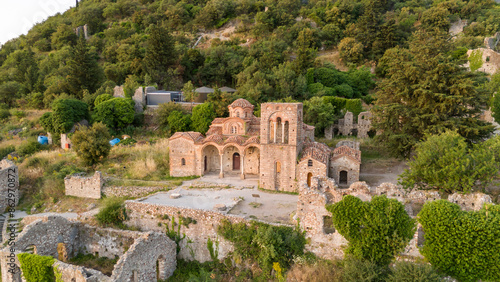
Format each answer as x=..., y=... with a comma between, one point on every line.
x=241, y=103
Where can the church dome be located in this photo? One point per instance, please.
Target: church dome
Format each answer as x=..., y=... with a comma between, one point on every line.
x=241, y=103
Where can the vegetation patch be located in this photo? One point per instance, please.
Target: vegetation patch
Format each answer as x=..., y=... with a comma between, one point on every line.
x=36, y=268
x=103, y=264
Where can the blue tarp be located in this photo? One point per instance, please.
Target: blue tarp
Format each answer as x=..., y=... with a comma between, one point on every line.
x=114, y=141
x=43, y=140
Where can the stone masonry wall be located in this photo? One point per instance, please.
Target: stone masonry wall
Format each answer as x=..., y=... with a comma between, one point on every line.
x=85, y=187
x=152, y=256
x=148, y=216
x=60, y=238
x=9, y=185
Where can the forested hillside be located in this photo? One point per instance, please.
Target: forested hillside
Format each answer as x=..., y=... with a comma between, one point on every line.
x=270, y=50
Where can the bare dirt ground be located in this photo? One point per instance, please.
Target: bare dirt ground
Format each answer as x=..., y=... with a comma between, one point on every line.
x=376, y=172
x=243, y=198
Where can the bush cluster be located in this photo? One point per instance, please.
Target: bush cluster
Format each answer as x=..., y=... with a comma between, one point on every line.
x=463, y=244
x=263, y=243
x=36, y=268
x=112, y=213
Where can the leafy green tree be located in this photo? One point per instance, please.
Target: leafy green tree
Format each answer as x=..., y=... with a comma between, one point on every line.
x=115, y=113
x=436, y=18
x=91, y=144
x=102, y=98
x=83, y=70
x=351, y=50
x=319, y=114
x=189, y=93
x=426, y=91
x=177, y=121
x=377, y=230
x=462, y=244
x=65, y=113
x=64, y=36
x=163, y=112
x=445, y=162
x=220, y=101
x=306, y=50
x=10, y=91
x=202, y=117
x=160, y=55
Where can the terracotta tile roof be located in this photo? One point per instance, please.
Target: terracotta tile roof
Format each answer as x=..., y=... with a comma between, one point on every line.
x=219, y=120
x=196, y=137
x=252, y=140
x=235, y=139
x=253, y=131
x=214, y=130
x=241, y=103
x=317, y=151
x=217, y=138
x=346, y=151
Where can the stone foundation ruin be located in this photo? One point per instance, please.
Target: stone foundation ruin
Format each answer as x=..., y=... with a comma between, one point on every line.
x=84, y=187
x=346, y=126
x=143, y=256
x=9, y=185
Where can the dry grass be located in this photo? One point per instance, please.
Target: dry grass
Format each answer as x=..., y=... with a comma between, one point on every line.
x=318, y=271
x=332, y=57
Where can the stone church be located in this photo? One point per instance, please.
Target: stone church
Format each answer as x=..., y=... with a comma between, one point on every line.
x=278, y=148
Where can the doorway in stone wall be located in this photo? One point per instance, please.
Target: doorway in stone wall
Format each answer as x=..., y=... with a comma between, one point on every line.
x=343, y=177
x=205, y=164
x=309, y=176
x=236, y=161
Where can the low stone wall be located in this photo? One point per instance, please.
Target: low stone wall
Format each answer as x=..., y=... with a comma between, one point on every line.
x=155, y=217
x=131, y=191
x=75, y=273
x=84, y=187
x=9, y=185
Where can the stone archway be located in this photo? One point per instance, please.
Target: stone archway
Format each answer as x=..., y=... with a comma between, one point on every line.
x=231, y=154
x=211, y=160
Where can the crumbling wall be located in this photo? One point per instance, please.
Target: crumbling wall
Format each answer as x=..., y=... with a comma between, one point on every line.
x=151, y=257
x=9, y=185
x=364, y=124
x=139, y=99
x=65, y=142
x=104, y=242
x=84, y=187
x=470, y=202
x=148, y=216
x=118, y=91
x=491, y=42
x=75, y=273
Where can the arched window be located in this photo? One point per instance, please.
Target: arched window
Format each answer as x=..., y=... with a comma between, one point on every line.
x=234, y=130
x=183, y=161
x=238, y=114
x=309, y=163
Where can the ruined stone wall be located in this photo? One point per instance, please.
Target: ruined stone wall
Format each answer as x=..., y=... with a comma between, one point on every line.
x=118, y=91
x=151, y=257
x=65, y=142
x=344, y=163
x=9, y=185
x=180, y=149
x=148, y=216
x=139, y=99
x=62, y=239
x=75, y=273
x=84, y=187
x=364, y=124
x=317, y=169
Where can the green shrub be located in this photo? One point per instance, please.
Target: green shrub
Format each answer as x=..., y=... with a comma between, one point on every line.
x=36, y=268
x=376, y=230
x=92, y=143
x=112, y=212
x=476, y=60
x=29, y=147
x=406, y=271
x=18, y=113
x=462, y=244
x=263, y=243
x=359, y=270
x=6, y=151
x=4, y=114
